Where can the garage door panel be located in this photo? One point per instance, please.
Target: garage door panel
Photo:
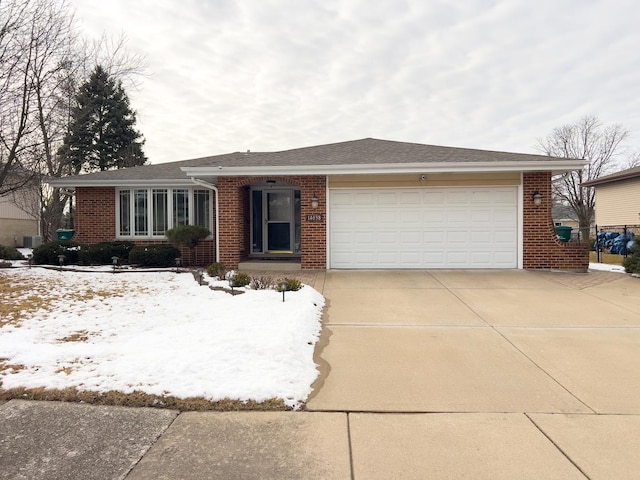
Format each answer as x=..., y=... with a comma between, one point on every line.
x=424, y=228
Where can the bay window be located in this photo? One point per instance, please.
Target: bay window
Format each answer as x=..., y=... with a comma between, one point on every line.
x=150, y=212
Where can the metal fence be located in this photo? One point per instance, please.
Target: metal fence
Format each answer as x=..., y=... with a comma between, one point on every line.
x=616, y=239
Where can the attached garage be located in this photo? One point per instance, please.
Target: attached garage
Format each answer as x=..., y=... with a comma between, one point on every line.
x=434, y=227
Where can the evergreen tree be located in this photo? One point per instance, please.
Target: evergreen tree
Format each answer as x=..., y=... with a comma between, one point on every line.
x=101, y=134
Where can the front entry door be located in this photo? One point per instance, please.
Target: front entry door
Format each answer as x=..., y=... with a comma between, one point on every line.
x=278, y=217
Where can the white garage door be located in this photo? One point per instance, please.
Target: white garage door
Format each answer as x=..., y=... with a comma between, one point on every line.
x=424, y=228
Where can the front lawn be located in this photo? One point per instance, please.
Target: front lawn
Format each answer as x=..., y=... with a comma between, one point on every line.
x=154, y=339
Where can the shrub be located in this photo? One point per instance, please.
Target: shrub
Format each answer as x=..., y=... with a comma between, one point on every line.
x=261, y=283
x=241, y=280
x=293, y=284
x=47, y=253
x=10, y=253
x=102, y=253
x=188, y=236
x=159, y=255
x=217, y=269
x=631, y=264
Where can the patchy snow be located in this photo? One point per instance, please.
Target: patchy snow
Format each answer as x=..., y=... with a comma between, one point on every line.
x=163, y=334
x=606, y=267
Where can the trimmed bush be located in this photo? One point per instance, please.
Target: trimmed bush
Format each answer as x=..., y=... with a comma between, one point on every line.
x=47, y=253
x=102, y=253
x=293, y=284
x=631, y=264
x=217, y=269
x=160, y=255
x=241, y=280
x=10, y=253
x=188, y=236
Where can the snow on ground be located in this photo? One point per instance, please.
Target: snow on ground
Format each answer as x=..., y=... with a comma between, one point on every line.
x=606, y=267
x=163, y=334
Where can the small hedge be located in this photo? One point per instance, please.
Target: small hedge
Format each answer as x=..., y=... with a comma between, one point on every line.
x=160, y=255
x=241, y=279
x=102, y=253
x=217, y=269
x=47, y=253
x=631, y=264
x=293, y=284
x=10, y=253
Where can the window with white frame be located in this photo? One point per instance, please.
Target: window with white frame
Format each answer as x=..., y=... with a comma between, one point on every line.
x=150, y=212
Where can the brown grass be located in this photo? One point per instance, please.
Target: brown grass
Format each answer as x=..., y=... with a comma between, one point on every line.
x=140, y=399
x=608, y=258
x=22, y=299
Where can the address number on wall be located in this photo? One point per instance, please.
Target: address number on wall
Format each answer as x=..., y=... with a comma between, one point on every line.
x=314, y=218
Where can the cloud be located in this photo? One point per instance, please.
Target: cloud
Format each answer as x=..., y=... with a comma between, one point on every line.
x=271, y=75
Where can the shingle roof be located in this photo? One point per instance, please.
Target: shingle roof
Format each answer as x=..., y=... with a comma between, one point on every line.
x=614, y=177
x=355, y=153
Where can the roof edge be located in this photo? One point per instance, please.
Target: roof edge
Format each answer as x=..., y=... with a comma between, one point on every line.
x=354, y=169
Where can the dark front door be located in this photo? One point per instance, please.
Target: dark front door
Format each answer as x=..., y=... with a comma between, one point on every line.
x=275, y=221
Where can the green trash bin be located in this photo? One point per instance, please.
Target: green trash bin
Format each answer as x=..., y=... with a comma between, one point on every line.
x=64, y=235
x=563, y=233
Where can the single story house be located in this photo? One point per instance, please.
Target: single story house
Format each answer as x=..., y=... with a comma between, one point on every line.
x=617, y=198
x=363, y=204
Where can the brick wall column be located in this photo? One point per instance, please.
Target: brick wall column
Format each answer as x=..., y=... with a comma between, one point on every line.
x=95, y=214
x=541, y=247
x=231, y=220
x=314, y=233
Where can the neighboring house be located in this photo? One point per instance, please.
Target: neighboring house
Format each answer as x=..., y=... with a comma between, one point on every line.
x=564, y=216
x=15, y=222
x=363, y=204
x=617, y=198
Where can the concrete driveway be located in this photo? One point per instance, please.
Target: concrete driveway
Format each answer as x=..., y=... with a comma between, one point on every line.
x=484, y=374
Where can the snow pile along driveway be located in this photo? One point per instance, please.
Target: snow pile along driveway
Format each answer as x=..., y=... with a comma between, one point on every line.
x=162, y=334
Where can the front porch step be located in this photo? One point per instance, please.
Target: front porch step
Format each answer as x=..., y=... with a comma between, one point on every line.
x=269, y=266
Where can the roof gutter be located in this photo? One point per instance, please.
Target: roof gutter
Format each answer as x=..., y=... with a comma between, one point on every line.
x=210, y=186
x=388, y=168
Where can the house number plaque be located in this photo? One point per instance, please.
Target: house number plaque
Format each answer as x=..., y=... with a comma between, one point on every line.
x=314, y=218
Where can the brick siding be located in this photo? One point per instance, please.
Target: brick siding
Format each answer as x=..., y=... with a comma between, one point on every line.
x=541, y=247
x=235, y=220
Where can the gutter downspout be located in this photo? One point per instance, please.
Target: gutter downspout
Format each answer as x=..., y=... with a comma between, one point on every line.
x=211, y=186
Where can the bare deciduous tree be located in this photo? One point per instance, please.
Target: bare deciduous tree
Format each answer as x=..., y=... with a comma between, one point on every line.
x=42, y=64
x=586, y=139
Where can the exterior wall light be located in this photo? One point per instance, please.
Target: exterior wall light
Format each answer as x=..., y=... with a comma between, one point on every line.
x=537, y=198
x=314, y=202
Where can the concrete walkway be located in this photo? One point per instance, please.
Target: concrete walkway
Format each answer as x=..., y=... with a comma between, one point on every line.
x=438, y=374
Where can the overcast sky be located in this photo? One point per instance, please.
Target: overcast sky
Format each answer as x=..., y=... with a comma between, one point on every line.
x=268, y=75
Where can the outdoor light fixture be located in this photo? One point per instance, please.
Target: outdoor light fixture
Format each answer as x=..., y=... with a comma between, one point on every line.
x=200, y=276
x=178, y=261
x=314, y=202
x=537, y=198
x=30, y=259
x=232, y=283
x=283, y=288
x=61, y=259
x=115, y=259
